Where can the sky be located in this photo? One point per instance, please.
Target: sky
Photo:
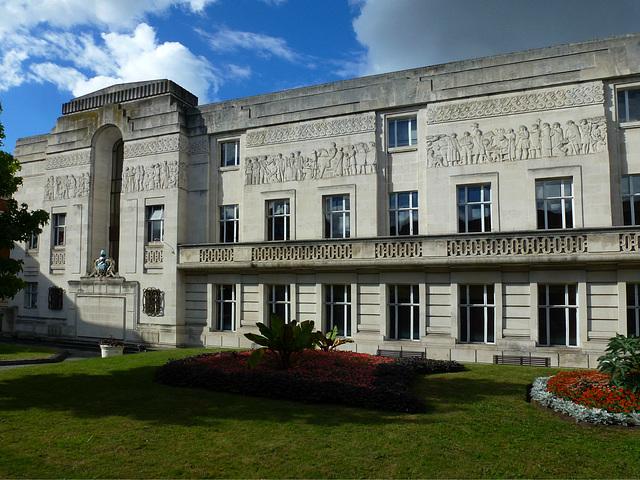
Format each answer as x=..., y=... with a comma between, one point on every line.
x=54, y=50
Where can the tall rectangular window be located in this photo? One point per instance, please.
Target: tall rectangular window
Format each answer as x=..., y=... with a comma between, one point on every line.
x=31, y=295
x=631, y=199
x=633, y=309
x=229, y=223
x=403, y=132
x=279, y=301
x=404, y=312
x=32, y=243
x=474, y=208
x=477, y=314
x=226, y=307
x=59, y=229
x=337, y=217
x=230, y=153
x=278, y=220
x=558, y=315
x=337, y=308
x=554, y=203
x=155, y=223
x=629, y=105
x=403, y=213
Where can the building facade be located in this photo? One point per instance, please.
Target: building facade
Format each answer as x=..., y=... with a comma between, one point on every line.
x=466, y=210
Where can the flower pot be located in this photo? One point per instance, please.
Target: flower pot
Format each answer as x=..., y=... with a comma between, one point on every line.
x=110, y=351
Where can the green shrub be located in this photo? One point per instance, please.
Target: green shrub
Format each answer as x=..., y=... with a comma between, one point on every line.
x=330, y=340
x=622, y=362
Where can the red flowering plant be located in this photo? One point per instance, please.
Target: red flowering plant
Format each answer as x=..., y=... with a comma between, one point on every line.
x=593, y=390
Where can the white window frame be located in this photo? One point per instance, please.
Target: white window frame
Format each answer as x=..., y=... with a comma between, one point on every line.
x=227, y=223
x=225, y=147
x=632, y=196
x=341, y=214
x=622, y=103
x=633, y=308
x=395, y=212
x=150, y=210
x=273, y=217
x=408, y=122
x=467, y=207
x=332, y=309
x=570, y=314
x=33, y=242
x=59, y=225
x=394, y=311
x=467, y=309
x=564, y=199
x=222, y=302
x=31, y=295
x=274, y=300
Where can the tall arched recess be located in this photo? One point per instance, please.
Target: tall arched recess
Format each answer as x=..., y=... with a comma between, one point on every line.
x=108, y=156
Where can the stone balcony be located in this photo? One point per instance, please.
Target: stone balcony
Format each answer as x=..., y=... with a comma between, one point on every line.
x=584, y=246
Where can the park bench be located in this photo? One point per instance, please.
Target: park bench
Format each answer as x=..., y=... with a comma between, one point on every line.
x=522, y=360
x=399, y=354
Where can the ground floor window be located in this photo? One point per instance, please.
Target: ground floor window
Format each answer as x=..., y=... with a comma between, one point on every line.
x=633, y=309
x=226, y=307
x=477, y=314
x=404, y=312
x=279, y=301
x=337, y=308
x=31, y=295
x=558, y=315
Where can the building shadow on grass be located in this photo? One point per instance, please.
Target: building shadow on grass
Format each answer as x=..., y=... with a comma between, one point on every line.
x=133, y=393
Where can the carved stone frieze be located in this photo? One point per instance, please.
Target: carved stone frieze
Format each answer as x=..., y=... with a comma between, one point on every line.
x=156, y=176
x=577, y=95
x=82, y=157
x=198, y=145
x=274, y=253
x=154, y=146
x=358, y=159
x=67, y=186
x=542, y=139
x=310, y=130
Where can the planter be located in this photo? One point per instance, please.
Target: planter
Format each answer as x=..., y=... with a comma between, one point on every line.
x=111, y=351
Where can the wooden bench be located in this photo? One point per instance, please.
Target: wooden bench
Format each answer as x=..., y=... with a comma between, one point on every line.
x=522, y=360
x=399, y=354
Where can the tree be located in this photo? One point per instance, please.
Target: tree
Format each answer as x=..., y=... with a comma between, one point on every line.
x=17, y=223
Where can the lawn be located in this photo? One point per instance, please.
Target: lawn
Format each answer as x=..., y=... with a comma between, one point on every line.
x=22, y=352
x=107, y=418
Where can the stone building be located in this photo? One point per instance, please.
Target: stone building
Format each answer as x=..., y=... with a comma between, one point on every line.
x=468, y=209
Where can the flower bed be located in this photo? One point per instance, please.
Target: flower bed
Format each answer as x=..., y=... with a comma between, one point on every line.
x=346, y=378
x=587, y=396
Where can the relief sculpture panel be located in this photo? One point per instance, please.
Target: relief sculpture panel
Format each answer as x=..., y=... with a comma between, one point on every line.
x=156, y=176
x=334, y=161
x=541, y=139
x=67, y=186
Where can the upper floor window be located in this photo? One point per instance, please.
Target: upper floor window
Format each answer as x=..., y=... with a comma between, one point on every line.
x=337, y=308
x=59, y=229
x=403, y=132
x=230, y=153
x=403, y=213
x=631, y=199
x=229, y=223
x=337, y=217
x=477, y=314
x=554, y=203
x=31, y=295
x=558, y=315
x=32, y=243
x=155, y=223
x=226, y=307
x=278, y=220
x=629, y=105
x=474, y=208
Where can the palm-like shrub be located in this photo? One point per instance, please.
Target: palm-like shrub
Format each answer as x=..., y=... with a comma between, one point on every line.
x=330, y=340
x=622, y=362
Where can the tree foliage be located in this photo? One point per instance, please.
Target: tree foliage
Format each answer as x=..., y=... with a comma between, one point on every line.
x=17, y=223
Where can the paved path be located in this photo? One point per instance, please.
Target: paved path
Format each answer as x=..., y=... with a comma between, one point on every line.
x=72, y=353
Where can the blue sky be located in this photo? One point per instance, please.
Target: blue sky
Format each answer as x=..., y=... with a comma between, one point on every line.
x=54, y=50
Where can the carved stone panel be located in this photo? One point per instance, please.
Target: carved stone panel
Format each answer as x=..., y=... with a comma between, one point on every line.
x=82, y=157
x=156, y=176
x=67, y=186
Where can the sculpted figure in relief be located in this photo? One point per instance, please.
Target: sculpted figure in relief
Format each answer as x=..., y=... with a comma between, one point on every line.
x=156, y=176
x=67, y=186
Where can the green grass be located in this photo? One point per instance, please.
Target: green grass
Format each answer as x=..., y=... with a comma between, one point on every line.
x=106, y=418
x=22, y=352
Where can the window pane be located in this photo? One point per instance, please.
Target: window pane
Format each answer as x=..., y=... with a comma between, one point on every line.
x=633, y=106
x=622, y=106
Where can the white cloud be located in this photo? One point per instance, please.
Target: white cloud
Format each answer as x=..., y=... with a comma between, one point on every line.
x=225, y=40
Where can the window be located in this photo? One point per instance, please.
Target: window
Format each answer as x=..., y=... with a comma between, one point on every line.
x=474, y=209
x=59, y=228
x=557, y=315
x=278, y=218
x=633, y=309
x=337, y=308
x=153, y=301
x=155, y=223
x=279, y=301
x=230, y=153
x=403, y=132
x=404, y=312
x=336, y=216
x=631, y=200
x=554, y=203
x=403, y=213
x=477, y=314
x=31, y=295
x=56, y=296
x=229, y=223
x=226, y=307
x=32, y=243
x=629, y=105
